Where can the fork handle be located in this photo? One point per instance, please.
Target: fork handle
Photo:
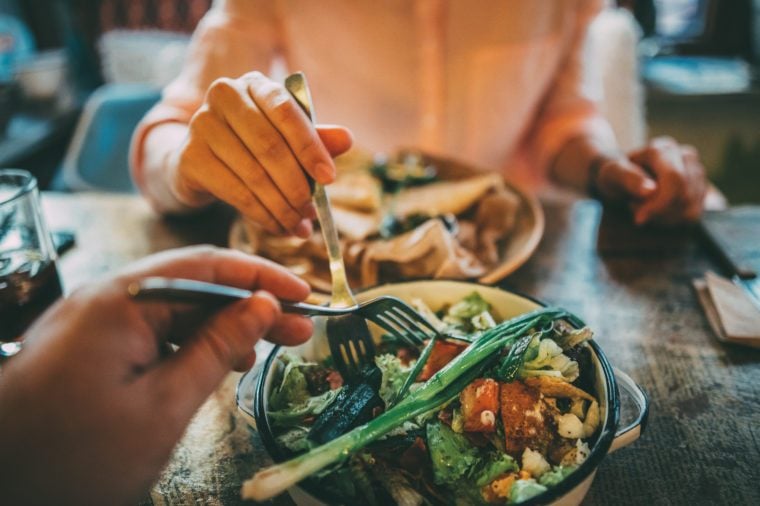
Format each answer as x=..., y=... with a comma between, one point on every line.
x=199, y=292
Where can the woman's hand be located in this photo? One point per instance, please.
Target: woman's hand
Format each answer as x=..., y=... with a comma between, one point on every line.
x=663, y=182
x=93, y=406
x=249, y=145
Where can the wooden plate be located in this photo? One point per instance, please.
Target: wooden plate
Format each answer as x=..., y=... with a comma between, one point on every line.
x=523, y=238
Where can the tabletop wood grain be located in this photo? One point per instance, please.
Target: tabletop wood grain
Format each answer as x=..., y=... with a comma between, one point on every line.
x=702, y=443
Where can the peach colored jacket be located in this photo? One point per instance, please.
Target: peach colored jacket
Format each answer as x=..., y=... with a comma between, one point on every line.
x=500, y=83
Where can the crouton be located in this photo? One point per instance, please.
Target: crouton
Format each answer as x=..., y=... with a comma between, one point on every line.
x=527, y=422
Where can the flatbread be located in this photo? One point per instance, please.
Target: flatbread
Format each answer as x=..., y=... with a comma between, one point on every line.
x=453, y=197
x=356, y=190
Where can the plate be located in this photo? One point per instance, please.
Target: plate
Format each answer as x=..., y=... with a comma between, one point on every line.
x=514, y=250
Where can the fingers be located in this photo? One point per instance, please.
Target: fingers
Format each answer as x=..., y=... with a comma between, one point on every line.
x=265, y=194
x=252, y=146
x=680, y=180
x=291, y=330
x=233, y=104
x=200, y=167
x=286, y=117
x=189, y=376
x=621, y=179
x=224, y=266
x=697, y=183
x=337, y=139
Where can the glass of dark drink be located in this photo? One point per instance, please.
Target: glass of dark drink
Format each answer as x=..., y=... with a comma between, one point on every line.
x=29, y=280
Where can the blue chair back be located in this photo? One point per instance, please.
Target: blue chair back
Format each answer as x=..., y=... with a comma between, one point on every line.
x=97, y=158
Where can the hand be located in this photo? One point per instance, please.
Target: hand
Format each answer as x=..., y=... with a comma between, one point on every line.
x=91, y=409
x=248, y=145
x=662, y=183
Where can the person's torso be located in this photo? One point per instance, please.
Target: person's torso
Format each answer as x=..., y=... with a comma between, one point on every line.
x=460, y=77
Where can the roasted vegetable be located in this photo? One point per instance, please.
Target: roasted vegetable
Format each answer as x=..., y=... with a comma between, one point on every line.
x=442, y=353
x=480, y=405
x=354, y=405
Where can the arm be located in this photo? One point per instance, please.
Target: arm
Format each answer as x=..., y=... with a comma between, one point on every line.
x=234, y=37
x=92, y=408
x=242, y=140
x=661, y=182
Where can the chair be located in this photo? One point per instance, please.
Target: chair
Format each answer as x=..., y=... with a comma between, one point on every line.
x=97, y=158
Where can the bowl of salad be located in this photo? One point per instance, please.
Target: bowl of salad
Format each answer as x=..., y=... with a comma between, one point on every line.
x=512, y=403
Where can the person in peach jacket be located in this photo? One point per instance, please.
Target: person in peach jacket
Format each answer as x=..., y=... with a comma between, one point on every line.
x=498, y=83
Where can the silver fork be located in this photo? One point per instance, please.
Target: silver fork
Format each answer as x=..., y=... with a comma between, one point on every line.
x=350, y=342
x=389, y=313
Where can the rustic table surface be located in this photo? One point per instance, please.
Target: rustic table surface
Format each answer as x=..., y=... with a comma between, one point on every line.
x=702, y=442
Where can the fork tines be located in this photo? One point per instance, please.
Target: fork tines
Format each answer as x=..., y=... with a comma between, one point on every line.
x=400, y=320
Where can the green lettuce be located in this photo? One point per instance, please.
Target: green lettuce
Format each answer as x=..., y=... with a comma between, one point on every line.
x=293, y=389
x=489, y=470
x=294, y=414
x=522, y=490
x=471, y=314
x=294, y=439
x=556, y=475
x=544, y=357
x=394, y=375
x=451, y=455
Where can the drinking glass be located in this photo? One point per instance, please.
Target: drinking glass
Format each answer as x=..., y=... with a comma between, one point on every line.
x=29, y=281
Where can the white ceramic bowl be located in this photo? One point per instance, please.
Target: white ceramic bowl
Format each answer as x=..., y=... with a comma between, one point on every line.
x=254, y=387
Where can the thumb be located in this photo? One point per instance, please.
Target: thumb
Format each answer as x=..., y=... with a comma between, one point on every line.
x=224, y=341
x=337, y=139
x=623, y=179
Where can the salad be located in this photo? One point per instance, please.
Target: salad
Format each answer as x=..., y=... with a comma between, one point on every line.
x=487, y=412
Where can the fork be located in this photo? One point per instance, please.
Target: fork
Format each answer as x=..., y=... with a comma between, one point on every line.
x=350, y=342
x=391, y=314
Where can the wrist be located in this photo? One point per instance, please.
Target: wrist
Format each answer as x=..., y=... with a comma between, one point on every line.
x=595, y=168
x=185, y=195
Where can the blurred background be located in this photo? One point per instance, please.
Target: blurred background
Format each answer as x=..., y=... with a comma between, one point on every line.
x=77, y=75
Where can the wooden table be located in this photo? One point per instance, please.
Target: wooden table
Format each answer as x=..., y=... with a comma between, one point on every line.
x=702, y=443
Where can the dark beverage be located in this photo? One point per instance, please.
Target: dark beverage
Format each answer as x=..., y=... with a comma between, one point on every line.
x=29, y=284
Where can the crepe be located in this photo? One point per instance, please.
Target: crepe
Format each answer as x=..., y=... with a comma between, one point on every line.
x=486, y=211
x=496, y=217
x=356, y=190
x=355, y=225
x=453, y=197
x=428, y=251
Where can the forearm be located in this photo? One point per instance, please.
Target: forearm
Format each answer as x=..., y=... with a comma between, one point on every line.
x=573, y=165
x=161, y=147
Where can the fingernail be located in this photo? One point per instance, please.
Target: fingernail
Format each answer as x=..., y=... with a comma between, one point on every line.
x=647, y=186
x=309, y=211
x=261, y=295
x=324, y=173
x=303, y=229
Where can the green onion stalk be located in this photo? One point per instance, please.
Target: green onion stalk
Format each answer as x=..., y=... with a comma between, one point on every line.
x=439, y=389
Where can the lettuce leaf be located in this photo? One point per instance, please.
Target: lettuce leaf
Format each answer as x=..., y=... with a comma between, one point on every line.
x=544, y=357
x=522, y=490
x=293, y=389
x=451, y=455
x=294, y=414
x=471, y=314
x=394, y=375
x=556, y=475
x=489, y=470
x=294, y=439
